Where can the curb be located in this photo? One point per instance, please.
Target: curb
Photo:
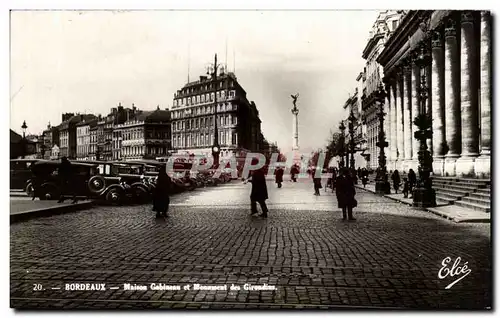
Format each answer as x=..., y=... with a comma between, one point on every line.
x=68, y=208
x=19, y=194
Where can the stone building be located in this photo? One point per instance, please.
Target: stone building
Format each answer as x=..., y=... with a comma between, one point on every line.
x=458, y=85
x=67, y=133
x=83, y=139
x=146, y=135
x=193, y=115
x=384, y=26
x=50, y=139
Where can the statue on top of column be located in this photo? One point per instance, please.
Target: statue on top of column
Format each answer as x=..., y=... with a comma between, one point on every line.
x=295, y=110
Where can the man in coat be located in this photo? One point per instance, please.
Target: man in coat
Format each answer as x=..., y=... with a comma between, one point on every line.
x=279, y=176
x=345, y=194
x=259, y=192
x=66, y=174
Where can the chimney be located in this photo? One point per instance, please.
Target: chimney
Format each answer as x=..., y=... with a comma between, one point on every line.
x=81, y=117
x=133, y=108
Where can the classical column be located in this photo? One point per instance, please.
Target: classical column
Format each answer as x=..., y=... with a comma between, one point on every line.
x=387, y=124
x=469, y=96
x=408, y=135
x=452, y=97
x=428, y=79
x=393, y=132
x=483, y=163
x=399, y=121
x=415, y=110
x=438, y=117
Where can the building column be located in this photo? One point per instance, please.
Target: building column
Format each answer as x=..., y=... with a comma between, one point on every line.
x=399, y=121
x=415, y=110
x=393, y=129
x=407, y=125
x=483, y=162
x=387, y=128
x=469, y=96
x=452, y=97
x=438, y=106
x=428, y=80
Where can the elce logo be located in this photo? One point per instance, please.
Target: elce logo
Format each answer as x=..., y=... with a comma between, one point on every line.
x=455, y=270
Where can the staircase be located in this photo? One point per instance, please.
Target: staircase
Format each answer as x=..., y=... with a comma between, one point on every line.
x=468, y=193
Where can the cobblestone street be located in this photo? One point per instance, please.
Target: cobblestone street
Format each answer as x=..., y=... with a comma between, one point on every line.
x=389, y=257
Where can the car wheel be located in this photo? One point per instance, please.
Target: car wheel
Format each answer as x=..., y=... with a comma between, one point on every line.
x=29, y=189
x=97, y=184
x=141, y=195
x=49, y=193
x=114, y=196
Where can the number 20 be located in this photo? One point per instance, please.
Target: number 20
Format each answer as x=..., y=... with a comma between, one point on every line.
x=37, y=287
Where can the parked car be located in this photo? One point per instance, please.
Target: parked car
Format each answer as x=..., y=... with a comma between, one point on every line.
x=47, y=183
x=21, y=175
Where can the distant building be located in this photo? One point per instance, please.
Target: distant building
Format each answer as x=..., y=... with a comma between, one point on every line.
x=193, y=118
x=146, y=135
x=50, y=139
x=67, y=133
x=83, y=139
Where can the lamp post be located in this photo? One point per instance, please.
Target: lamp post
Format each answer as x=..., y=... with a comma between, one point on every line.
x=423, y=195
x=212, y=70
x=24, y=143
x=342, y=144
x=382, y=185
x=351, y=119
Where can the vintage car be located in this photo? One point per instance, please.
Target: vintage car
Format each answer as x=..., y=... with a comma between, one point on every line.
x=48, y=185
x=20, y=174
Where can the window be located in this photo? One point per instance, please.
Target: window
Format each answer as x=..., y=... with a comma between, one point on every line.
x=394, y=24
x=202, y=98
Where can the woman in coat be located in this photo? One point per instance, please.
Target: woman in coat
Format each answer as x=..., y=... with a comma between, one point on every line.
x=396, y=180
x=345, y=194
x=259, y=192
x=161, y=198
x=412, y=180
x=316, y=182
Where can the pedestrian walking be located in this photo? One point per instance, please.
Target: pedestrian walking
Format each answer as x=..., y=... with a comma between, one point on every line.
x=396, y=180
x=406, y=187
x=66, y=174
x=412, y=180
x=161, y=195
x=364, y=177
x=293, y=172
x=278, y=173
x=259, y=192
x=345, y=194
x=316, y=182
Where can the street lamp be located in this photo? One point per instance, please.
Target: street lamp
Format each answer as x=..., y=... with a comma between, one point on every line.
x=342, y=142
x=382, y=185
x=212, y=70
x=24, y=143
x=423, y=195
x=351, y=119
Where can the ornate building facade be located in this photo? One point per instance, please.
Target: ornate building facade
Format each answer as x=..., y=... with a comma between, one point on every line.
x=458, y=85
x=145, y=135
x=384, y=26
x=193, y=118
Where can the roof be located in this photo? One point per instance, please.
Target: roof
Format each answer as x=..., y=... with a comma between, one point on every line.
x=76, y=119
x=152, y=116
x=15, y=137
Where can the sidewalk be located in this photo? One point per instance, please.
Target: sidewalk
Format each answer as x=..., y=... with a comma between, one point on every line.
x=24, y=208
x=448, y=211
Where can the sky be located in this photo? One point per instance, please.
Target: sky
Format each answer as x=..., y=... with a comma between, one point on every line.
x=89, y=61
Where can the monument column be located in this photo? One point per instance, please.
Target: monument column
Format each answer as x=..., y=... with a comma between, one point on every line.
x=408, y=137
x=438, y=106
x=393, y=131
x=415, y=110
x=469, y=97
x=452, y=97
x=483, y=162
x=399, y=120
x=295, y=118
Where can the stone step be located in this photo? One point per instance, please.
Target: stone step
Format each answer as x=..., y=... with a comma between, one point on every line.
x=474, y=184
x=474, y=206
x=440, y=183
x=480, y=195
x=452, y=192
x=477, y=200
x=445, y=198
x=455, y=186
x=484, y=190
